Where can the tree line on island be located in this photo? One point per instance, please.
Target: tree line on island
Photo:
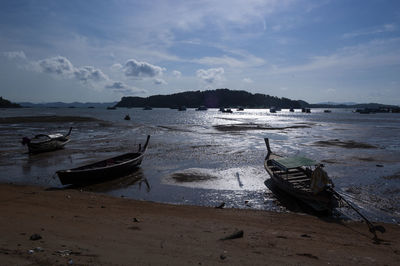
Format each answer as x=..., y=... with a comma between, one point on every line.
x=7, y=104
x=212, y=99
x=219, y=98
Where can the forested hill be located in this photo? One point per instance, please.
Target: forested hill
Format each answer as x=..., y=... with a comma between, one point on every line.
x=211, y=99
x=7, y=104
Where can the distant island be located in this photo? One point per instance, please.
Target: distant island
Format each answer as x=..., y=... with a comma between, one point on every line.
x=221, y=98
x=212, y=99
x=7, y=104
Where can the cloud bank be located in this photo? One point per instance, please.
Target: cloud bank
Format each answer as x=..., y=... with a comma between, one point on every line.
x=210, y=75
x=135, y=68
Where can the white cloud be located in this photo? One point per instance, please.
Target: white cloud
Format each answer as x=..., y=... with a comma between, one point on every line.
x=247, y=80
x=371, y=31
x=116, y=67
x=159, y=81
x=377, y=53
x=240, y=59
x=89, y=73
x=60, y=65
x=177, y=74
x=15, y=55
x=117, y=86
x=57, y=65
x=123, y=88
x=135, y=68
x=210, y=75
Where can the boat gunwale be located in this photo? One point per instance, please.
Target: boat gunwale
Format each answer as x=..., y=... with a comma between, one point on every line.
x=87, y=168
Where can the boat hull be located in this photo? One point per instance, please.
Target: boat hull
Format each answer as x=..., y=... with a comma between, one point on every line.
x=320, y=202
x=111, y=168
x=46, y=146
x=87, y=174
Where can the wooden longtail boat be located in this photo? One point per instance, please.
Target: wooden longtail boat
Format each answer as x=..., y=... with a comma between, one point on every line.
x=44, y=142
x=107, y=169
x=296, y=177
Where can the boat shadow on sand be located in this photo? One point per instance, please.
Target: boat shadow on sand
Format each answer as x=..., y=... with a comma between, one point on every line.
x=292, y=204
x=295, y=205
x=135, y=178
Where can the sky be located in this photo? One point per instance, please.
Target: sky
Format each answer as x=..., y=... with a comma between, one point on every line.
x=100, y=51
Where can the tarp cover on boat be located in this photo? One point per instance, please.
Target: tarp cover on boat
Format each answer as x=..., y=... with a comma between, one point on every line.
x=294, y=162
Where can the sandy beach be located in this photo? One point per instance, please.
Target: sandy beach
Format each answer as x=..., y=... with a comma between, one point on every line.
x=41, y=226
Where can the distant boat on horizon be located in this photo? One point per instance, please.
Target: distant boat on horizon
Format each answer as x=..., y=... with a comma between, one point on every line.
x=202, y=108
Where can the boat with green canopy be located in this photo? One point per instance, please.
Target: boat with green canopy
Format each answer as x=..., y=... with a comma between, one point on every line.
x=302, y=178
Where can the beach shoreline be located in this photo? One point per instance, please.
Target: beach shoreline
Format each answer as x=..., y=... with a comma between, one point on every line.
x=85, y=228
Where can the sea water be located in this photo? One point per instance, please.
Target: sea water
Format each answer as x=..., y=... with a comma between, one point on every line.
x=208, y=157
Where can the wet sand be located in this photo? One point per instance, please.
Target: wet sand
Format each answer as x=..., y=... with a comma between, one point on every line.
x=46, y=119
x=83, y=228
x=344, y=144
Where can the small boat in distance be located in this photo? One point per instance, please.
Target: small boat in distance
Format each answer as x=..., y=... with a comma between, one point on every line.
x=46, y=142
x=295, y=176
x=226, y=110
x=111, y=108
x=272, y=110
x=127, y=117
x=104, y=170
x=201, y=108
x=327, y=111
x=291, y=110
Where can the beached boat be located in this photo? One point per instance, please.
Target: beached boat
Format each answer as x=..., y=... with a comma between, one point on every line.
x=46, y=142
x=302, y=178
x=103, y=170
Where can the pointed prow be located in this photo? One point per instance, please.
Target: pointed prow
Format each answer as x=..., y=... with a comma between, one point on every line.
x=145, y=145
x=268, y=148
x=69, y=132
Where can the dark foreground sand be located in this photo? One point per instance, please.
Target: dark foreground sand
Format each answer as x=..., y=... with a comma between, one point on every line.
x=80, y=228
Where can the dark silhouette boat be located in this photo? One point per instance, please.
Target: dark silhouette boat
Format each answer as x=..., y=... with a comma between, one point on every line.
x=104, y=170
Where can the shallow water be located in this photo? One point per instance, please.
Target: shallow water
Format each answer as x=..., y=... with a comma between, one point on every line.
x=209, y=157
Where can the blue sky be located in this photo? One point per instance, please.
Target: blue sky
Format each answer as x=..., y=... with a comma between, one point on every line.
x=317, y=51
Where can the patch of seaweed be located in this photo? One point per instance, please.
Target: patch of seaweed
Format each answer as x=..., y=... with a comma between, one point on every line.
x=191, y=177
x=350, y=144
x=365, y=159
x=391, y=177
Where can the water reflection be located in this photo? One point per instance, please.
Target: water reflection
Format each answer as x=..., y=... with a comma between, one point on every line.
x=135, y=179
x=205, y=158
